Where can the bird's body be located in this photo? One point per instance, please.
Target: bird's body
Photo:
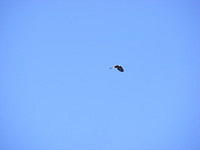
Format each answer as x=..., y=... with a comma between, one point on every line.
x=120, y=68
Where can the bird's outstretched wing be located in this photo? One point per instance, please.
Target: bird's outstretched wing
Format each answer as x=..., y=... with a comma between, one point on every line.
x=120, y=68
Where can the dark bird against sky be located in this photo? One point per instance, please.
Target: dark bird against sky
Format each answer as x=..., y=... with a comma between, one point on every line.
x=120, y=68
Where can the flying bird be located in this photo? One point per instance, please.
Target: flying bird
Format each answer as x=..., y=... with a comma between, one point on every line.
x=118, y=67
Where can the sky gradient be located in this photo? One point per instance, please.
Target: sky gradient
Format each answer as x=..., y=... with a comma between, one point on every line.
x=58, y=93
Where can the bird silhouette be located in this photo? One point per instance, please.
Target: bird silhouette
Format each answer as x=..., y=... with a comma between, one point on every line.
x=118, y=67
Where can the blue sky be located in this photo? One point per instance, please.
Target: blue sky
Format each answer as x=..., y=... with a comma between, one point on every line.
x=58, y=93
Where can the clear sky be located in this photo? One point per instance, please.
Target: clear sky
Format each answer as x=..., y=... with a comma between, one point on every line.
x=58, y=93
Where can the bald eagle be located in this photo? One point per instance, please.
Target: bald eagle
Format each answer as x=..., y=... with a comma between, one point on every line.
x=118, y=67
